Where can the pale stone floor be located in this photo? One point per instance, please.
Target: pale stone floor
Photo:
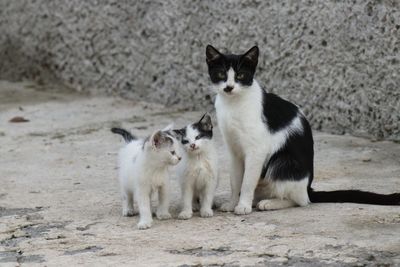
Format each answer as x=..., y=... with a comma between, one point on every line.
x=60, y=206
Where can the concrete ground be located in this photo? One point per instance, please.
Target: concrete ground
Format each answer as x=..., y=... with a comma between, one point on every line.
x=60, y=205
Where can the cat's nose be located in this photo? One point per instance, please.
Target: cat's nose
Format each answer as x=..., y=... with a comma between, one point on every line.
x=228, y=89
x=192, y=145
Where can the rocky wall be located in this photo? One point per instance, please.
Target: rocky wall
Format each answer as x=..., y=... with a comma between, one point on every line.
x=338, y=60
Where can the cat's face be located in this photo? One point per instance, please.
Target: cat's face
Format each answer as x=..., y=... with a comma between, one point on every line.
x=196, y=136
x=231, y=74
x=164, y=147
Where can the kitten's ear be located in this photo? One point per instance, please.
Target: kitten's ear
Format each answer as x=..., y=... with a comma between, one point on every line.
x=168, y=127
x=156, y=139
x=159, y=138
x=206, y=123
x=212, y=53
x=252, y=55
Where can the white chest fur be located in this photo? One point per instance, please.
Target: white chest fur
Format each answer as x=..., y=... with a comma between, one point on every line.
x=240, y=120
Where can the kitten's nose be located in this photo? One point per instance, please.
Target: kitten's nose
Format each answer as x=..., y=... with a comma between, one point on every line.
x=192, y=145
x=228, y=89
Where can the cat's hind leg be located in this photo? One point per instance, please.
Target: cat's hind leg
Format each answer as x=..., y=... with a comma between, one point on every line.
x=127, y=204
x=275, y=204
x=288, y=194
x=163, y=203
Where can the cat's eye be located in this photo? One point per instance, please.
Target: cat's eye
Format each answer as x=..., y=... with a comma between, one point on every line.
x=173, y=153
x=185, y=142
x=221, y=75
x=240, y=76
x=197, y=137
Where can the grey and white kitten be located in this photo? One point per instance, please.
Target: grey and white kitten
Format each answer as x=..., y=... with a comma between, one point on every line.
x=198, y=172
x=143, y=170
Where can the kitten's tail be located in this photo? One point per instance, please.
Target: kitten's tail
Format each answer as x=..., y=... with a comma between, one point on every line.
x=128, y=137
x=353, y=196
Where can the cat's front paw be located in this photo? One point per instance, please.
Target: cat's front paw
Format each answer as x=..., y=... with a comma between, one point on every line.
x=185, y=215
x=142, y=225
x=227, y=207
x=242, y=209
x=163, y=215
x=206, y=213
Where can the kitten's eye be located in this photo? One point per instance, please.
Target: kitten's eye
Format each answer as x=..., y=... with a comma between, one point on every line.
x=185, y=142
x=221, y=75
x=240, y=76
x=197, y=137
x=172, y=152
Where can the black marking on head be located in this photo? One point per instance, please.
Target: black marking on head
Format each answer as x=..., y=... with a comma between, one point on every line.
x=179, y=133
x=243, y=65
x=204, y=127
x=212, y=53
x=128, y=137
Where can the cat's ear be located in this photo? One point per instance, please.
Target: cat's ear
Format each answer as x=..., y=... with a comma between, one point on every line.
x=159, y=138
x=168, y=127
x=155, y=139
x=212, y=53
x=252, y=55
x=206, y=123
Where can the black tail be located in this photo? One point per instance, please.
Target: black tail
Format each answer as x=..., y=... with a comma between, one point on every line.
x=353, y=196
x=128, y=137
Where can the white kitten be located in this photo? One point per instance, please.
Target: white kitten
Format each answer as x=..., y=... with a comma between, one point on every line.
x=198, y=171
x=143, y=170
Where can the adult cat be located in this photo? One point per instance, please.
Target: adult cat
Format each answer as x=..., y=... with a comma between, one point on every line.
x=269, y=141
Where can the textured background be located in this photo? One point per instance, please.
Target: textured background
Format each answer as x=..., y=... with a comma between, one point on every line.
x=339, y=60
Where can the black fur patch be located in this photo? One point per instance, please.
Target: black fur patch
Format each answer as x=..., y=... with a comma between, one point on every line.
x=202, y=132
x=294, y=161
x=278, y=112
x=204, y=127
x=128, y=137
x=179, y=134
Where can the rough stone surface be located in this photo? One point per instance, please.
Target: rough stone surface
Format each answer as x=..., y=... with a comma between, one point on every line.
x=339, y=60
x=60, y=205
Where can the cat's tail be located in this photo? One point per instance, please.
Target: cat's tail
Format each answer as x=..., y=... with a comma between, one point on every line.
x=353, y=196
x=128, y=137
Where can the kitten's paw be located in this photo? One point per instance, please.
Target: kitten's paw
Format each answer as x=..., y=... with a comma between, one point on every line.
x=142, y=225
x=195, y=207
x=206, y=213
x=185, y=215
x=163, y=215
x=129, y=212
x=242, y=209
x=227, y=207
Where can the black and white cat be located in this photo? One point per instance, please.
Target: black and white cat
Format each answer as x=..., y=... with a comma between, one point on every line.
x=198, y=171
x=143, y=170
x=269, y=141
